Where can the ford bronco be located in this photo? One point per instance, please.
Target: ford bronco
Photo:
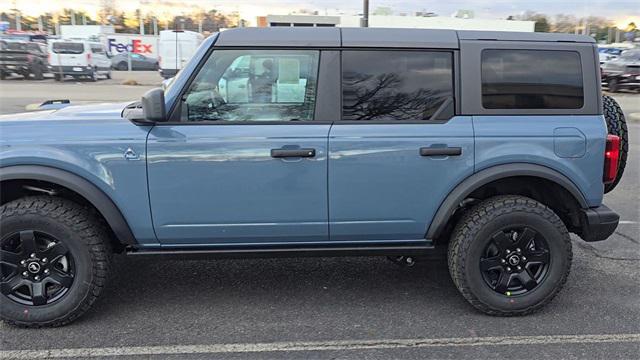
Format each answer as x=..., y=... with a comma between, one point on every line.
x=322, y=142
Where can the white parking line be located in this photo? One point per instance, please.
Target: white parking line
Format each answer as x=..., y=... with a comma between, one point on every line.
x=627, y=222
x=319, y=346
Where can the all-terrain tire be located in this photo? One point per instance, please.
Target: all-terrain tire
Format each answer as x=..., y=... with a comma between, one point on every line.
x=616, y=125
x=88, y=245
x=472, y=234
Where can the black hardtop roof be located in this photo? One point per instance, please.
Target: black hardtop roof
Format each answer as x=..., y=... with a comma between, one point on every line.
x=379, y=37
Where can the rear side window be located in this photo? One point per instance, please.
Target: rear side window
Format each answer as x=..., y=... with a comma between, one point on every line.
x=397, y=85
x=531, y=79
x=67, y=48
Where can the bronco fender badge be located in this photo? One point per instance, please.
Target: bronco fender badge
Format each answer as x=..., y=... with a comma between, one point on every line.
x=129, y=154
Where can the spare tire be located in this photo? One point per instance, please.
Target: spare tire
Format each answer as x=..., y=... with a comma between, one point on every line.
x=616, y=125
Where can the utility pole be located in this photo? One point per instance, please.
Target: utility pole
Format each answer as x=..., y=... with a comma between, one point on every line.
x=364, y=22
x=73, y=17
x=141, y=22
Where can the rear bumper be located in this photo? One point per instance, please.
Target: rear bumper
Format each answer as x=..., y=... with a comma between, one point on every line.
x=71, y=70
x=598, y=223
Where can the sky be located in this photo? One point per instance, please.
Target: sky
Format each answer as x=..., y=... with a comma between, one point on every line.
x=621, y=11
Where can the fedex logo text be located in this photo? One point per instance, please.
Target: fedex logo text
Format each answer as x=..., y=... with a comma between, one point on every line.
x=136, y=46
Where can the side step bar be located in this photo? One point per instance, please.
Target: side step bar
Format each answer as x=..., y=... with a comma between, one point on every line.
x=298, y=251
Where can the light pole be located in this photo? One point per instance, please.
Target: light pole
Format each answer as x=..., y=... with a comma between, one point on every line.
x=364, y=22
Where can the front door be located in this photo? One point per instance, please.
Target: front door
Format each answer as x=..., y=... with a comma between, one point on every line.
x=245, y=163
x=399, y=148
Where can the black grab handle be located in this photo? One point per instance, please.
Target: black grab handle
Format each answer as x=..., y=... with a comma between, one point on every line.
x=440, y=151
x=288, y=153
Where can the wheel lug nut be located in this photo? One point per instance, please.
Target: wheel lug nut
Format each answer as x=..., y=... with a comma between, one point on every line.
x=33, y=255
x=503, y=261
x=25, y=274
x=508, y=269
x=23, y=262
x=37, y=278
x=508, y=251
x=518, y=250
x=519, y=268
x=46, y=271
x=524, y=258
x=44, y=260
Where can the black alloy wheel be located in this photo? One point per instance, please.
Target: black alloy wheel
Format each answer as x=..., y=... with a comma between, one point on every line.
x=516, y=261
x=37, y=269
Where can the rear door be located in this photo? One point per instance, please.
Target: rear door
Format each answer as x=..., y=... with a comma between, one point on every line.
x=245, y=162
x=67, y=53
x=399, y=148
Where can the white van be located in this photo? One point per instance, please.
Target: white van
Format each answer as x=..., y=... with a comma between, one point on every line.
x=175, y=49
x=79, y=58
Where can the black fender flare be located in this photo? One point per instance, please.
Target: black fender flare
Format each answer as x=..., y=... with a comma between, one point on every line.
x=83, y=187
x=485, y=176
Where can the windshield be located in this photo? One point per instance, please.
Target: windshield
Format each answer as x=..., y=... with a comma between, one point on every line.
x=67, y=48
x=630, y=55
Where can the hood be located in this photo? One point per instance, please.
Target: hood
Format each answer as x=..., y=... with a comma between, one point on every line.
x=101, y=111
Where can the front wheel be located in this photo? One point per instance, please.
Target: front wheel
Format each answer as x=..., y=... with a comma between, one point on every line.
x=509, y=255
x=55, y=261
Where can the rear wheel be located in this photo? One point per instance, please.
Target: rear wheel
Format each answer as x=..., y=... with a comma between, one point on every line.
x=57, y=77
x=55, y=261
x=616, y=125
x=3, y=75
x=509, y=255
x=122, y=66
x=93, y=76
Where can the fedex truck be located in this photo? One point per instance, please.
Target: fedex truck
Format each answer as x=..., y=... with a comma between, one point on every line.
x=176, y=48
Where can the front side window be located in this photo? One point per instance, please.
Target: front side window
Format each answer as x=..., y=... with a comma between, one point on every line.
x=531, y=79
x=397, y=85
x=253, y=85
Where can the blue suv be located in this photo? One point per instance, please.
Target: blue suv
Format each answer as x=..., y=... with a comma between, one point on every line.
x=322, y=142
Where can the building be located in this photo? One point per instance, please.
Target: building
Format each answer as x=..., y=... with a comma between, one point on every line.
x=392, y=21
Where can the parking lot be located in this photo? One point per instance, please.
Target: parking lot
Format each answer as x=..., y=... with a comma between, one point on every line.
x=337, y=307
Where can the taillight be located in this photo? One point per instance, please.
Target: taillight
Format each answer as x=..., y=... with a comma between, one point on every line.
x=611, y=155
x=88, y=56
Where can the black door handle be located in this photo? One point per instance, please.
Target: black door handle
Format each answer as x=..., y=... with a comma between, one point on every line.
x=440, y=151
x=288, y=153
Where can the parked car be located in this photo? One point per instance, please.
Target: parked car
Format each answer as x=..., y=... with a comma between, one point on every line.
x=23, y=58
x=138, y=62
x=79, y=59
x=622, y=72
x=605, y=54
x=329, y=142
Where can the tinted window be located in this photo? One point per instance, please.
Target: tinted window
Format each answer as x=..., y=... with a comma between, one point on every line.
x=14, y=46
x=397, y=85
x=253, y=85
x=97, y=49
x=531, y=79
x=67, y=48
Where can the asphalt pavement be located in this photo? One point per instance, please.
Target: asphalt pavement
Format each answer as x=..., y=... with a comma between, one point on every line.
x=341, y=308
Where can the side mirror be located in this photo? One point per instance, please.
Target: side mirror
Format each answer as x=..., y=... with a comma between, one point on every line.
x=153, y=105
